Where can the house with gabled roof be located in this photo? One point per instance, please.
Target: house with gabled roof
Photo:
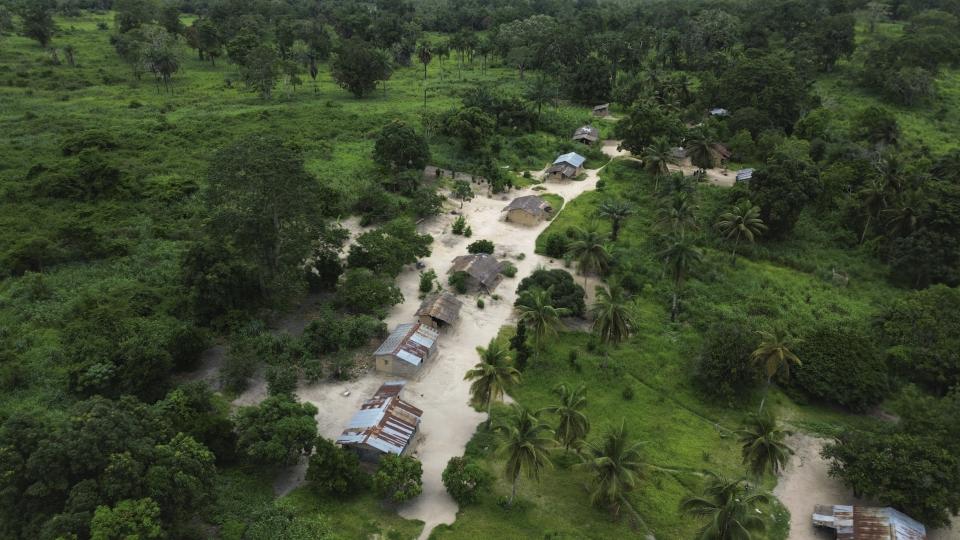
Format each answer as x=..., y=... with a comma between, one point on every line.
x=385, y=424
x=566, y=167
x=439, y=310
x=406, y=349
x=528, y=210
x=586, y=135
x=482, y=270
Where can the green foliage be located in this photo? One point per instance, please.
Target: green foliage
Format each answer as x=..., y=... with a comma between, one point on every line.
x=472, y=126
x=782, y=188
x=335, y=470
x=481, y=246
x=723, y=370
x=592, y=81
x=37, y=20
x=840, y=364
x=357, y=66
x=398, y=478
x=427, y=279
x=362, y=291
x=276, y=432
x=465, y=480
x=509, y=269
x=556, y=245
x=387, y=249
x=127, y=519
x=459, y=225
x=459, y=281
x=398, y=147
x=645, y=122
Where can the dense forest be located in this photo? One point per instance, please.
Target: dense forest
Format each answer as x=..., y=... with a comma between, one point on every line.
x=203, y=199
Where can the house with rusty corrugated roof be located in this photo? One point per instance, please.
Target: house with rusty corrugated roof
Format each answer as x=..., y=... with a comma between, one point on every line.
x=406, y=349
x=440, y=309
x=586, y=135
x=868, y=523
x=385, y=424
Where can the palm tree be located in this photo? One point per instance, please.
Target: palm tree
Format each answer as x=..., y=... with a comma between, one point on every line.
x=679, y=257
x=679, y=214
x=590, y=252
x=573, y=425
x=524, y=439
x=744, y=220
x=763, y=446
x=538, y=314
x=617, y=212
x=904, y=216
x=539, y=93
x=702, y=150
x=425, y=55
x=613, y=320
x=657, y=158
x=774, y=354
x=615, y=463
x=492, y=376
x=730, y=508
x=873, y=197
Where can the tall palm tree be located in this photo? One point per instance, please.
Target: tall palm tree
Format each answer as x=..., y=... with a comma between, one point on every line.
x=425, y=55
x=679, y=257
x=702, y=150
x=615, y=463
x=524, y=439
x=730, y=508
x=590, y=251
x=612, y=318
x=763, y=446
x=573, y=425
x=617, y=212
x=492, y=376
x=657, y=158
x=537, y=312
x=743, y=221
x=903, y=217
x=873, y=198
x=773, y=355
x=678, y=214
x=539, y=93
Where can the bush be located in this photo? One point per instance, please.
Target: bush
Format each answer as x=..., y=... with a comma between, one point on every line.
x=509, y=270
x=468, y=232
x=398, y=478
x=480, y=303
x=723, y=370
x=841, y=365
x=627, y=393
x=332, y=332
x=281, y=380
x=362, y=291
x=459, y=280
x=335, y=470
x=464, y=480
x=555, y=245
x=564, y=291
x=459, y=225
x=426, y=281
x=481, y=246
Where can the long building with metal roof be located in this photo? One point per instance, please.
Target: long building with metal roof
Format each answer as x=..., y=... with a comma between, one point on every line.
x=406, y=349
x=385, y=424
x=868, y=523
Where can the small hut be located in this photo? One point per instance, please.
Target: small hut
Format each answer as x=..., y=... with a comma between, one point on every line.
x=483, y=270
x=566, y=167
x=602, y=110
x=385, y=424
x=719, y=112
x=439, y=310
x=868, y=523
x=528, y=210
x=744, y=175
x=406, y=349
x=586, y=135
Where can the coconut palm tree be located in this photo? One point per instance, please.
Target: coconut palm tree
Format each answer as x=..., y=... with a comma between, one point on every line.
x=523, y=440
x=903, y=217
x=615, y=464
x=702, y=150
x=612, y=317
x=763, y=446
x=743, y=221
x=537, y=312
x=492, y=376
x=590, y=251
x=657, y=158
x=729, y=507
x=679, y=257
x=425, y=55
x=617, y=212
x=678, y=214
x=773, y=355
x=573, y=425
x=873, y=197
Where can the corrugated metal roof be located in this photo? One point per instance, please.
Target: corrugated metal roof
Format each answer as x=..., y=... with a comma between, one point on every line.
x=384, y=422
x=572, y=158
x=868, y=523
x=601, y=107
x=482, y=267
x=588, y=133
x=719, y=111
x=530, y=203
x=744, y=174
x=444, y=307
x=410, y=342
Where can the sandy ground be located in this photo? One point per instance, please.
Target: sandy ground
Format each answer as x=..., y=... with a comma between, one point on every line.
x=805, y=483
x=718, y=177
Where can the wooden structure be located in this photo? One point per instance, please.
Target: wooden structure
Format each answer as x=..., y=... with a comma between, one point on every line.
x=439, y=310
x=586, y=135
x=602, y=110
x=483, y=270
x=566, y=167
x=528, y=210
x=385, y=424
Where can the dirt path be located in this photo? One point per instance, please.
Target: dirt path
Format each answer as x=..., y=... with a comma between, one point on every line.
x=805, y=483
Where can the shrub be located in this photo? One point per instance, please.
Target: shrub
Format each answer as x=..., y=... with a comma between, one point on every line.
x=481, y=246
x=426, y=281
x=468, y=232
x=459, y=225
x=840, y=364
x=464, y=480
x=331, y=332
x=398, y=478
x=459, y=280
x=555, y=245
x=627, y=393
x=723, y=370
x=335, y=470
x=362, y=291
x=480, y=303
x=564, y=291
x=281, y=380
x=509, y=270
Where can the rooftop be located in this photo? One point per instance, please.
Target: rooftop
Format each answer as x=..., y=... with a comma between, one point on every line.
x=384, y=422
x=530, y=203
x=410, y=342
x=482, y=267
x=444, y=306
x=868, y=523
x=587, y=132
x=571, y=158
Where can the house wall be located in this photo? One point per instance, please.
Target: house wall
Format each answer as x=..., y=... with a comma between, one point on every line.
x=387, y=363
x=522, y=217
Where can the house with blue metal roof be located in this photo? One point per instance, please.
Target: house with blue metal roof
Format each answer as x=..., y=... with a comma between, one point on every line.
x=406, y=349
x=385, y=424
x=566, y=167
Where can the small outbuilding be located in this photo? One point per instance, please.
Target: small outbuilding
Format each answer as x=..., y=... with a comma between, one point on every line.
x=566, y=167
x=602, y=110
x=528, y=210
x=385, y=424
x=483, y=270
x=719, y=112
x=868, y=523
x=586, y=135
x=439, y=310
x=406, y=349
x=744, y=175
